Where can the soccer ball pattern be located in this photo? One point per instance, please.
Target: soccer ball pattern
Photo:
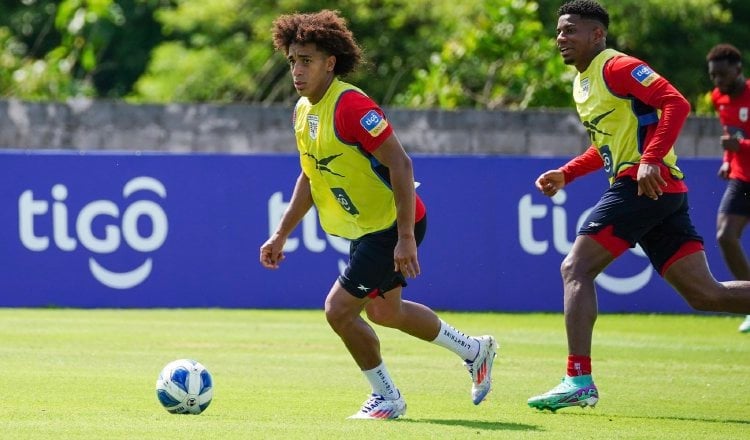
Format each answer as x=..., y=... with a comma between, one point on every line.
x=184, y=386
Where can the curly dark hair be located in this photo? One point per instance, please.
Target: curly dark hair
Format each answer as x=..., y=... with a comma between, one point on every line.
x=327, y=29
x=587, y=9
x=724, y=52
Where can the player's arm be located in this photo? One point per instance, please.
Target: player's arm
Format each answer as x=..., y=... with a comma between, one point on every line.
x=730, y=149
x=626, y=77
x=583, y=164
x=734, y=143
x=656, y=92
x=271, y=252
x=392, y=155
x=361, y=122
x=728, y=155
x=552, y=181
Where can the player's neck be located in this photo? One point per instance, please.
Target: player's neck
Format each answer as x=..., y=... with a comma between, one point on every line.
x=584, y=64
x=316, y=99
x=741, y=85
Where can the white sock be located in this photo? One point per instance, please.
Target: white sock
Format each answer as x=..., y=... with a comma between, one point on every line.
x=381, y=382
x=457, y=342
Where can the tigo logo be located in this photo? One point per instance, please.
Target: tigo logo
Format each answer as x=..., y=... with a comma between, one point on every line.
x=644, y=75
x=373, y=123
x=31, y=209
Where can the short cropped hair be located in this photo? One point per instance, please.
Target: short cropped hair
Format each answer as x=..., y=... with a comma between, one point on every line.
x=724, y=52
x=326, y=29
x=587, y=9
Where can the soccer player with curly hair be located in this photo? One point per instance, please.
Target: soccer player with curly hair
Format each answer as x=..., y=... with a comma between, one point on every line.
x=358, y=176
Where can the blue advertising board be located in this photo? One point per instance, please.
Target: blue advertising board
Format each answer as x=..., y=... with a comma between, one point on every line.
x=154, y=230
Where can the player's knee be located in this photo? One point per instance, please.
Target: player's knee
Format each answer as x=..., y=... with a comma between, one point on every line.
x=702, y=304
x=703, y=299
x=573, y=268
x=696, y=302
x=566, y=267
x=332, y=317
x=724, y=238
x=337, y=319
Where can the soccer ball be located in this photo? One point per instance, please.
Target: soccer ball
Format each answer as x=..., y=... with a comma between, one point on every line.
x=184, y=386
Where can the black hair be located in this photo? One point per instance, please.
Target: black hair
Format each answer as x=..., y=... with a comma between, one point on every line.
x=725, y=52
x=587, y=9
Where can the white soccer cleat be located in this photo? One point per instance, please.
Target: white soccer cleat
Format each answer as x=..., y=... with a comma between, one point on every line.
x=481, y=368
x=745, y=326
x=377, y=407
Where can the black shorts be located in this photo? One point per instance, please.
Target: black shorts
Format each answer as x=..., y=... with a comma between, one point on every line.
x=736, y=198
x=660, y=226
x=370, y=269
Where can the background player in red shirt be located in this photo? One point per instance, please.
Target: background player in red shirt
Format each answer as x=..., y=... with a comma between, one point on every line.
x=731, y=99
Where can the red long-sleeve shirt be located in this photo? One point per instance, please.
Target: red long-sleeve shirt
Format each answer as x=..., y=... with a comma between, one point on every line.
x=734, y=118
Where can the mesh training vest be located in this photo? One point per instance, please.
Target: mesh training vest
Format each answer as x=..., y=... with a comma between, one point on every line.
x=616, y=124
x=352, y=199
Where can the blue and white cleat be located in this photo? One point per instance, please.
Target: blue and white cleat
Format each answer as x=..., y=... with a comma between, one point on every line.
x=481, y=368
x=377, y=407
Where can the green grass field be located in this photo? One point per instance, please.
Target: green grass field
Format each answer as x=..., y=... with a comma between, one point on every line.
x=90, y=374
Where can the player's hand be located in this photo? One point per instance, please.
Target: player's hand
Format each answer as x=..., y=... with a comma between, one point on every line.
x=550, y=182
x=724, y=170
x=650, y=182
x=271, y=252
x=730, y=143
x=405, y=257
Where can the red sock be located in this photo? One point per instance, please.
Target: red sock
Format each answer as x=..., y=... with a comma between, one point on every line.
x=579, y=365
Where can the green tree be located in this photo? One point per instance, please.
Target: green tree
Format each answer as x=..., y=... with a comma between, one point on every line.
x=60, y=49
x=222, y=51
x=673, y=37
x=11, y=50
x=499, y=57
x=425, y=53
x=420, y=53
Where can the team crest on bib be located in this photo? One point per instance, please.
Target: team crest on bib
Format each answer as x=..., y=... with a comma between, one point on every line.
x=743, y=114
x=312, y=124
x=585, y=87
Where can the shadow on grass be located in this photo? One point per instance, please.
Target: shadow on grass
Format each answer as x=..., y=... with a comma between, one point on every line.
x=475, y=424
x=674, y=418
x=688, y=419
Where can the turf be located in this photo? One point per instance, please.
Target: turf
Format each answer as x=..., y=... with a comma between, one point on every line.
x=90, y=374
